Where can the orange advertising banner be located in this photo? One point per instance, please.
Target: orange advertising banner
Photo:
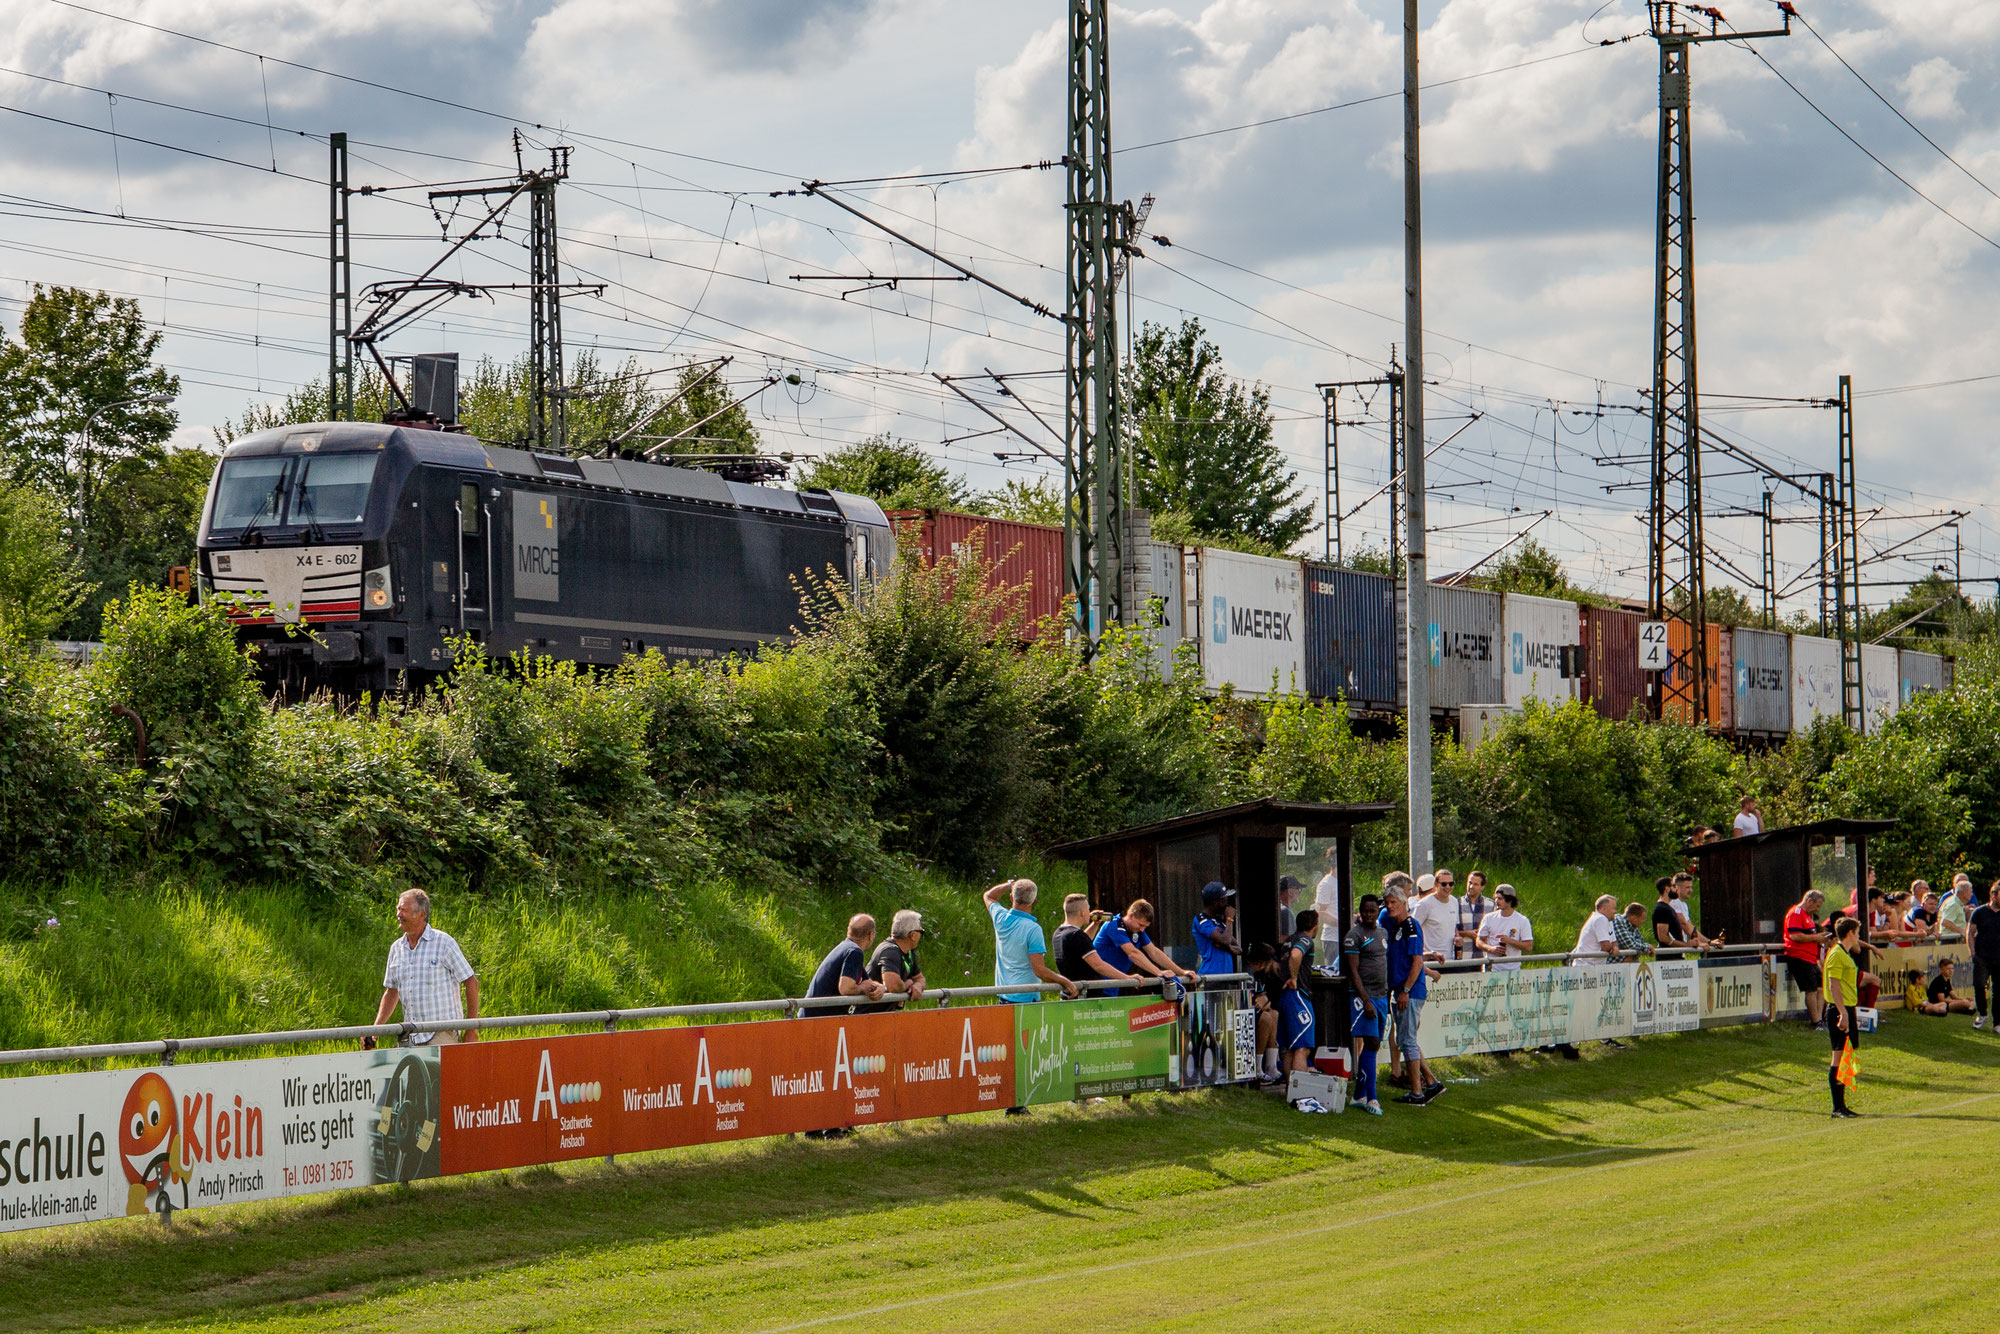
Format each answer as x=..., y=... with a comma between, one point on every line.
x=542, y=1100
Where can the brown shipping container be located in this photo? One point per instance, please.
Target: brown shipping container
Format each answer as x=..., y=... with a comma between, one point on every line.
x=1721, y=675
x=1026, y=556
x=1612, y=681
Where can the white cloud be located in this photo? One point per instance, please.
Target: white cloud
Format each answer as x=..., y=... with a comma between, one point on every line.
x=1931, y=88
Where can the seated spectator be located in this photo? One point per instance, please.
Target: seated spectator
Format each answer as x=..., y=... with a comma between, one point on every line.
x=844, y=970
x=1124, y=943
x=1921, y=921
x=895, y=964
x=1938, y=997
x=1270, y=986
x=1627, y=929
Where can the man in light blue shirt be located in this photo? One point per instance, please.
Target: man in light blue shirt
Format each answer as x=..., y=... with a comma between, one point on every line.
x=1018, y=943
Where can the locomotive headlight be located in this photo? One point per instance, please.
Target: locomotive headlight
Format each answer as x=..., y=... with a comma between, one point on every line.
x=376, y=591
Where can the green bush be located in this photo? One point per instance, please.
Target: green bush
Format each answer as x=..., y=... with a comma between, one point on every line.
x=62, y=805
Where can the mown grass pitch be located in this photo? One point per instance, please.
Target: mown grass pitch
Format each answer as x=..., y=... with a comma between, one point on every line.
x=1691, y=1181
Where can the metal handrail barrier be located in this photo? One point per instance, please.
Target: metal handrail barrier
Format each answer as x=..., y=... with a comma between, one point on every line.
x=168, y=1048
x=1771, y=948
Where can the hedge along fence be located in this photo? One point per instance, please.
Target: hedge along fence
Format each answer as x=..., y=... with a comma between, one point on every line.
x=898, y=726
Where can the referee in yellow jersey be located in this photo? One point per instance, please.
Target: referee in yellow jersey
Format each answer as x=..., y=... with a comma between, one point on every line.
x=1843, y=989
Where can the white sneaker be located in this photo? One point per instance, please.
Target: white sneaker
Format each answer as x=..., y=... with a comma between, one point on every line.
x=1979, y=1021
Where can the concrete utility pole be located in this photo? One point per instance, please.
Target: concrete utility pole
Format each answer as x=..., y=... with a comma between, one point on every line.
x=1418, y=629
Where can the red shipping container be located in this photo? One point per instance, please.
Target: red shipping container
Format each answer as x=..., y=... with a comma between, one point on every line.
x=1612, y=681
x=1023, y=556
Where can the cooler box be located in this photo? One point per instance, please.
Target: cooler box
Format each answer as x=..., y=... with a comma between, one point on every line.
x=1334, y=1061
x=1866, y=1019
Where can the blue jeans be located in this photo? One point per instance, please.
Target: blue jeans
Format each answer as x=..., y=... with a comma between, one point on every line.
x=1406, y=1029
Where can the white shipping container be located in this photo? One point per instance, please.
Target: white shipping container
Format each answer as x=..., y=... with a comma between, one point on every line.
x=1881, y=685
x=1815, y=680
x=1537, y=630
x=1250, y=612
x=1153, y=597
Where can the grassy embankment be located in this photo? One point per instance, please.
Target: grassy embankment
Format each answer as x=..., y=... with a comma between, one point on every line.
x=187, y=958
x=1674, y=1182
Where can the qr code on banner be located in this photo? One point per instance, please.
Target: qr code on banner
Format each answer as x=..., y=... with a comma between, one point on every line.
x=1243, y=1027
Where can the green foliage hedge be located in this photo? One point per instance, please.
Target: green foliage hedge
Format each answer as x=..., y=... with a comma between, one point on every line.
x=903, y=725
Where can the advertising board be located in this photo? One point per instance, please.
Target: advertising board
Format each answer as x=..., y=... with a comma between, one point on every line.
x=1541, y=636
x=110, y=1143
x=1895, y=964
x=1666, y=996
x=1252, y=622
x=1530, y=1007
x=546, y=1100
x=1734, y=991
x=1218, y=1039
x=1094, y=1048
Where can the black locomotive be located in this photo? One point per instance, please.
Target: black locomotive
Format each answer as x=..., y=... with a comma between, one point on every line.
x=386, y=540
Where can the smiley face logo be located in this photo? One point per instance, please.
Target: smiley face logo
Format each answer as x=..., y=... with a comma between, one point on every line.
x=148, y=1139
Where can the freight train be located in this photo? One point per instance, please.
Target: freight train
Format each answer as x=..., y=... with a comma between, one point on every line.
x=1257, y=624
x=387, y=542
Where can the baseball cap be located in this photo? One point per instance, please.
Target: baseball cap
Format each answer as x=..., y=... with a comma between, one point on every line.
x=1290, y=882
x=1426, y=883
x=1215, y=892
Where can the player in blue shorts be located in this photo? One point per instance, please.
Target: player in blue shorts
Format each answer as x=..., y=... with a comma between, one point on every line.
x=1365, y=951
x=1298, y=1034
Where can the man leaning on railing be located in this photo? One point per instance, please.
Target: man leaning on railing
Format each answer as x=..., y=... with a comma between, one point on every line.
x=427, y=971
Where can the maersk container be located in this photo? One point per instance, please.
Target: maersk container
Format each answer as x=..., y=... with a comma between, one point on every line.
x=1250, y=614
x=1717, y=680
x=1613, y=684
x=1881, y=685
x=1465, y=648
x=1351, y=633
x=1542, y=635
x=1815, y=680
x=1763, y=683
x=1023, y=558
x=1923, y=674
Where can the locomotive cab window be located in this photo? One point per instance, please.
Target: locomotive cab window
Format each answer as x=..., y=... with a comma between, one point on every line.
x=333, y=488
x=468, y=509
x=249, y=491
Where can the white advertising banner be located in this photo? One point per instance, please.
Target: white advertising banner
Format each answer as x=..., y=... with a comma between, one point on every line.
x=1815, y=680
x=1527, y=1007
x=1897, y=963
x=1666, y=996
x=1537, y=630
x=1881, y=685
x=108, y=1143
x=1734, y=991
x=1252, y=622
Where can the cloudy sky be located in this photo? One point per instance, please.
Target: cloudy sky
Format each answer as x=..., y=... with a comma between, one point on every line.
x=209, y=207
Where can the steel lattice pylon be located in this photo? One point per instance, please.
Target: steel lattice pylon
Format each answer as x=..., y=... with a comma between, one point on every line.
x=1093, y=500
x=1847, y=568
x=546, y=404
x=340, y=287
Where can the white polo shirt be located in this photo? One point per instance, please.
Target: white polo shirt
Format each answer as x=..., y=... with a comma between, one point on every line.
x=1597, y=932
x=427, y=978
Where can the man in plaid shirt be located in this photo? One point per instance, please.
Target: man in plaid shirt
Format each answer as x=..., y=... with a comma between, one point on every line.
x=1472, y=910
x=427, y=972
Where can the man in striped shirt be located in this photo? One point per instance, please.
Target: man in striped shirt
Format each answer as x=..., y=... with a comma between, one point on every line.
x=427, y=973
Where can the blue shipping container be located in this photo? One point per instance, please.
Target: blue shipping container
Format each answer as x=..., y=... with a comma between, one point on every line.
x=1351, y=637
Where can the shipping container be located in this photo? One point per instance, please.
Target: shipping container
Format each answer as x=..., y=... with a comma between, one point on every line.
x=1250, y=614
x=1719, y=679
x=1923, y=674
x=1612, y=682
x=1351, y=634
x=1153, y=596
x=1023, y=557
x=1542, y=635
x=1465, y=661
x=1763, y=662
x=1815, y=680
x=1950, y=673
x=1881, y=685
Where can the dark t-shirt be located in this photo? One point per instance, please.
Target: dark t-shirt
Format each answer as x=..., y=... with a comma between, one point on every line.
x=1664, y=915
x=843, y=960
x=1369, y=944
x=893, y=958
x=1072, y=943
x=1939, y=989
x=1302, y=942
x=1986, y=932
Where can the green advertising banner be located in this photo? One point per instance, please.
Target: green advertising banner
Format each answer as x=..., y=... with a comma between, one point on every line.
x=1093, y=1048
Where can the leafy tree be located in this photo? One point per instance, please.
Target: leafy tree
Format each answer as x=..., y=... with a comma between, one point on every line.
x=1037, y=501
x=310, y=403
x=146, y=524
x=80, y=361
x=493, y=402
x=895, y=473
x=40, y=585
x=1177, y=529
x=1369, y=560
x=1531, y=568
x=1202, y=442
